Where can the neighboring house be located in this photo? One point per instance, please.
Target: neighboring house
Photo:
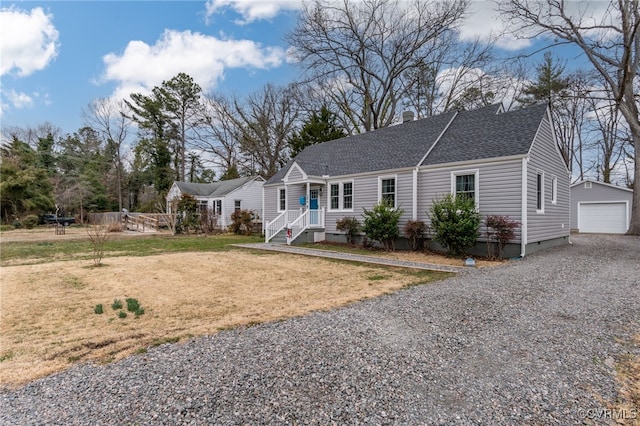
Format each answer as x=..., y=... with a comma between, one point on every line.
x=508, y=162
x=222, y=198
x=600, y=207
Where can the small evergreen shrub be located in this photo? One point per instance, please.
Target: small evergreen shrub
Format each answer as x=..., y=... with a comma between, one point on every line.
x=122, y=314
x=99, y=309
x=349, y=225
x=414, y=230
x=117, y=304
x=30, y=221
x=381, y=223
x=455, y=223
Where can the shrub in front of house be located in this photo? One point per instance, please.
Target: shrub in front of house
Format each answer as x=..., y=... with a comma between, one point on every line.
x=242, y=222
x=381, y=224
x=414, y=231
x=350, y=226
x=455, y=223
x=504, y=230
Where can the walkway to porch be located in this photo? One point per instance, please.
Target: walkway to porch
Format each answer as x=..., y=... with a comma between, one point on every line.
x=354, y=257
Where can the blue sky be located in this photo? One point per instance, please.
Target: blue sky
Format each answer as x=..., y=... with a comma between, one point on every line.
x=58, y=56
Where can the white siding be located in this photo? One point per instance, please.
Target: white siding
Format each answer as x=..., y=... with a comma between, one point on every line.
x=250, y=196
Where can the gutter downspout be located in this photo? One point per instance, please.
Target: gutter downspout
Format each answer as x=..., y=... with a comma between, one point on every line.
x=414, y=215
x=524, y=227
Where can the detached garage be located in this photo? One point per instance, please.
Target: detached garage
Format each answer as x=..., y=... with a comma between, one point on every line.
x=598, y=207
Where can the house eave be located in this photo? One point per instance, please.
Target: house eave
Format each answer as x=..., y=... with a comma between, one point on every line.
x=467, y=163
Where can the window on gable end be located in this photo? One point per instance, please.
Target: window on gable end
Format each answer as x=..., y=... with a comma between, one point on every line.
x=540, y=192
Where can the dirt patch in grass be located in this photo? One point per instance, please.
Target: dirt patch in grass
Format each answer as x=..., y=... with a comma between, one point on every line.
x=48, y=320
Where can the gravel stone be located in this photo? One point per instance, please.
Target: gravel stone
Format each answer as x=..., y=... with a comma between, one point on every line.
x=534, y=342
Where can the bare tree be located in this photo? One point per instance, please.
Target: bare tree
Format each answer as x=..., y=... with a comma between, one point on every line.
x=266, y=120
x=364, y=48
x=607, y=141
x=218, y=133
x=108, y=119
x=611, y=44
x=451, y=72
x=31, y=135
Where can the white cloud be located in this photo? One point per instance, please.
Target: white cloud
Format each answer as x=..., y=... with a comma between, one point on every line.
x=251, y=10
x=484, y=22
x=17, y=99
x=204, y=58
x=28, y=40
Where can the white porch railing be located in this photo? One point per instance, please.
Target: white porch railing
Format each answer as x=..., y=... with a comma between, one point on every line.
x=307, y=219
x=280, y=222
x=296, y=220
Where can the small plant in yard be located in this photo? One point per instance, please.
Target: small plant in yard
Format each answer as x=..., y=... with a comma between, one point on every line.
x=504, y=230
x=99, y=309
x=414, y=230
x=117, y=304
x=122, y=314
x=455, y=222
x=351, y=226
x=30, y=221
x=134, y=306
x=98, y=236
x=381, y=223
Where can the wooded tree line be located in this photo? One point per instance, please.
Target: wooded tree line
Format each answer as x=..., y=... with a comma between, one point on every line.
x=362, y=63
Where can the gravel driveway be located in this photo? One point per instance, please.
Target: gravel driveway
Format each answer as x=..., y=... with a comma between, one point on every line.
x=531, y=342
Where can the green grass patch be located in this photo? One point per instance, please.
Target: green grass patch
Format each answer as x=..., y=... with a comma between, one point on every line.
x=377, y=277
x=20, y=253
x=6, y=356
x=158, y=342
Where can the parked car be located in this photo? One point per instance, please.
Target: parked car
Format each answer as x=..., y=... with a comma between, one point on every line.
x=51, y=218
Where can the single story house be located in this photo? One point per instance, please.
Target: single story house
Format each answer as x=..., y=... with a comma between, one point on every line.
x=508, y=161
x=222, y=198
x=600, y=207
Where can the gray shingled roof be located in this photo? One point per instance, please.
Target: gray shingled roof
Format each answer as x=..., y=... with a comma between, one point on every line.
x=213, y=190
x=482, y=133
x=477, y=134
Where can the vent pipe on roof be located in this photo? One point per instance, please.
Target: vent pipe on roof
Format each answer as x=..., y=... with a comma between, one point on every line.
x=407, y=116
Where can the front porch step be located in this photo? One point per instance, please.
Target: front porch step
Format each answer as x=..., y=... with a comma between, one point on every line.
x=280, y=237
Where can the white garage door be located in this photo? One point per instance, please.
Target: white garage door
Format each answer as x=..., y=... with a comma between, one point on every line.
x=605, y=218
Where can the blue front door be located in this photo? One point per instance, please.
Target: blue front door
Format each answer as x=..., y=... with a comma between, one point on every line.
x=313, y=207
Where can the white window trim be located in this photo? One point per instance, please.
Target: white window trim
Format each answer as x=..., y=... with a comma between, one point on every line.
x=340, y=195
x=280, y=188
x=395, y=193
x=540, y=210
x=554, y=190
x=476, y=183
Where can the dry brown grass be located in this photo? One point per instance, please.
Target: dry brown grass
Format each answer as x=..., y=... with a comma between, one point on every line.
x=628, y=375
x=47, y=320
